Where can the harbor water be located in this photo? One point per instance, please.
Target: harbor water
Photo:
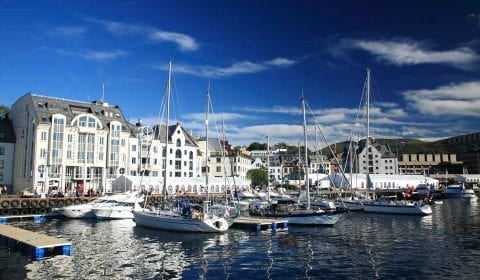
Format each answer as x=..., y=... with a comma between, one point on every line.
x=445, y=245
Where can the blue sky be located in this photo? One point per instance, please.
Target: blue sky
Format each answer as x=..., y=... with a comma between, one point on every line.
x=258, y=56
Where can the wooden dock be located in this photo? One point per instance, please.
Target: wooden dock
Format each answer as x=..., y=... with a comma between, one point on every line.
x=261, y=224
x=38, y=245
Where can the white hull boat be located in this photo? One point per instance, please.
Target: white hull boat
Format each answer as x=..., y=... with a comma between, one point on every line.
x=397, y=207
x=84, y=211
x=174, y=221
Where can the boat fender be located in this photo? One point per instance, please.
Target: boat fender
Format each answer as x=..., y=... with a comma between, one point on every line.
x=6, y=204
x=52, y=203
x=42, y=203
x=77, y=201
x=262, y=211
x=68, y=201
x=24, y=203
x=15, y=203
x=34, y=203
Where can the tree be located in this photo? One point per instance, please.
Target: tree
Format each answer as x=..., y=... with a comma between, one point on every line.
x=258, y=176
x=4, y=111
x=257, y=146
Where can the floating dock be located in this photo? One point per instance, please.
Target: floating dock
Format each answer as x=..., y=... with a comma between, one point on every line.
x=35, y=218
x=38, y=245
x=261, y=224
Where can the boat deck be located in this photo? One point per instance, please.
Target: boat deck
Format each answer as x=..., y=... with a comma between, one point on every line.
x=261, y=224
x=39, y=245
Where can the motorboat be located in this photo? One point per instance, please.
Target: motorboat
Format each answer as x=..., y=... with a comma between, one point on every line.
x=454, y=191
x=84, y=211
x=116, y=211
x=469, y=193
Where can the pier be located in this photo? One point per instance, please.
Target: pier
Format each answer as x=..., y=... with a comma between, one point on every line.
x=38, y=245
x=261, y=224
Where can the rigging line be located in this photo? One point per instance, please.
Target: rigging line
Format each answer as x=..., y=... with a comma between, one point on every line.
x=325, y=139
x=176, y=96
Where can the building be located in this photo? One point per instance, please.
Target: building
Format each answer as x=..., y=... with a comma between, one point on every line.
x=380, y=159
x=224, y=161
x=467, y=148
x=74, y=146
x=7, y=148
x=419, y=164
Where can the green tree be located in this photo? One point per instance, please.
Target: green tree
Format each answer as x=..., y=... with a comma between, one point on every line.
x=257, y=176
x=257, y=146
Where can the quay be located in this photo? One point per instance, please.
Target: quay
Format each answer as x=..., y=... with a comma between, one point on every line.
x=261, y=224
x=38, y=245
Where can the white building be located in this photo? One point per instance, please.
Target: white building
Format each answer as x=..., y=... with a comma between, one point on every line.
x=79, y=146
x=380, y=159
x=381, y=181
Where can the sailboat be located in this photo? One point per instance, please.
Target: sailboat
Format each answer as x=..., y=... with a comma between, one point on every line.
x=386, y=205
x=292, y=210
x=183, y=216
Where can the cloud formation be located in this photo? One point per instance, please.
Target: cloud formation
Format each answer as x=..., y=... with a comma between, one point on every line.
x=409, y=52
x=94, y=55
x=461, y=99
x=68, y=31
x=238, y=68
x=153, y=34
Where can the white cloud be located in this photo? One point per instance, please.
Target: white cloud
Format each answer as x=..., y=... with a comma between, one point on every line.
x=243, y=67
x=94, y=55
x=409, y=52
x=454, y=99
x=183, y=41
x=68, y=31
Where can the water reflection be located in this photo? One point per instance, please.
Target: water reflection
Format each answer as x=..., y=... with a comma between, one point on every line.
x=363, y=246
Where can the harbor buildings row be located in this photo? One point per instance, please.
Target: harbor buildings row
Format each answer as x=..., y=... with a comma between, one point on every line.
x=73, y=146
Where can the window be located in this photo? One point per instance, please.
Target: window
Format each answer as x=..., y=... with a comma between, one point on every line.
x=219, y=169
x=43, y=136
x=134, y=160
x=178, y=154
x=179, y=143
x=2, y=150
x=134, y=148
x=1, y=163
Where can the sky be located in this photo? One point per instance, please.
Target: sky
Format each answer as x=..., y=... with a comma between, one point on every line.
x=259, y=58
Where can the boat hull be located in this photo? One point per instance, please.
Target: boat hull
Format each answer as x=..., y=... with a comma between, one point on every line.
x=112, y=213
x=173, y=221
x=80, y=212
x=305, y=218
x=394, y=208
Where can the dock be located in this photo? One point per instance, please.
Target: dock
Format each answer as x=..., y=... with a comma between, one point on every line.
x=35, y=218
x=38, y=245
x=261, y=224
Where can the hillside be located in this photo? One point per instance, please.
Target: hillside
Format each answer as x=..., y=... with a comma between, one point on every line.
x=400, y=146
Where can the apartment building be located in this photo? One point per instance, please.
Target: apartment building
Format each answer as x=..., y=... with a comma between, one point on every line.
x=419, y=164
x=74, y=146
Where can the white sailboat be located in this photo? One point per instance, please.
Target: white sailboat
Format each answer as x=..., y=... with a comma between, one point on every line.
x=184, y=216
x=290, y=209
x=385, y=205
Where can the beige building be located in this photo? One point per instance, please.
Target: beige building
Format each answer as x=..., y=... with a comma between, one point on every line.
x=418, y=164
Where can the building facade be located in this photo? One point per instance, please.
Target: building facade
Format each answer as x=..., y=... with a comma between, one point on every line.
x=419, y=164
x=72, y=146
x=7, y=149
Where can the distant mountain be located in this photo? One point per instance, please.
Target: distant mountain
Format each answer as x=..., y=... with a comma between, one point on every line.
x=399, y=146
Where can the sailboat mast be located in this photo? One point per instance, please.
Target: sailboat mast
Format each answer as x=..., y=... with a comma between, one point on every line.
x=268, y=169
x=367, y=141
x=207, y=108
x=169, y=89
x=307, y=184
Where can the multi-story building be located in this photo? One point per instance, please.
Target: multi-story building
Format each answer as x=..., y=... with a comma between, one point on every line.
x=420, y=164
x=73, y=146
x=467, y=149
x=224, y=161
x=380, y=159
x=7, y=148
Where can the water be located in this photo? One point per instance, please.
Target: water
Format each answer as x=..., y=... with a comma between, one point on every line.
x=445, y=245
